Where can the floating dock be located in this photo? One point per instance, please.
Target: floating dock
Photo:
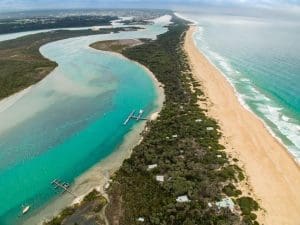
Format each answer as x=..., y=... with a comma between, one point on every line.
x=64, y=186
x=139, y=116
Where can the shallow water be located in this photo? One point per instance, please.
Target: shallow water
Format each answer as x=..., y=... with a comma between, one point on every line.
x=260, y=57
x=70, y=120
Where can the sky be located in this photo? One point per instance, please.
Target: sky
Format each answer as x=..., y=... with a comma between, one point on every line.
x=14, y=5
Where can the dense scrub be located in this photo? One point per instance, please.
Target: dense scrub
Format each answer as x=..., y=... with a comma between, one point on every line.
x=21, y=63
x=87, y=212
x=39, y=23
x=184, y=143
x=115, y=45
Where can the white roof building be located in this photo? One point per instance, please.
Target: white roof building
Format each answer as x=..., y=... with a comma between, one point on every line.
x=226, y=203
x=160, y=178
x=141, y=219
x=151, y=167
x=183, y=198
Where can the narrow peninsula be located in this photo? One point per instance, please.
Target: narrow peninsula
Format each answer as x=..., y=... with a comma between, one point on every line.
x=179, y=173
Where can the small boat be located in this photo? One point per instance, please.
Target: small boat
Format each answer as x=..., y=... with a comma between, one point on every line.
x=25, y=209
x=66, y=185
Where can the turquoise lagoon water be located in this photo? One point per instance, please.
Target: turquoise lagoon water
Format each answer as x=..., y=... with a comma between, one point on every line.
x=260, y=56
x=69, y=121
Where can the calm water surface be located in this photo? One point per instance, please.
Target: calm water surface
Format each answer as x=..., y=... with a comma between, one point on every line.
x=69, y=121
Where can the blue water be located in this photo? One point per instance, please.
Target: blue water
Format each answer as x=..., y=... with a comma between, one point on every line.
x=69, y=121
x=260, y=56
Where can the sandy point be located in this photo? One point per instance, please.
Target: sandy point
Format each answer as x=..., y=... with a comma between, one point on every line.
x=273, y=175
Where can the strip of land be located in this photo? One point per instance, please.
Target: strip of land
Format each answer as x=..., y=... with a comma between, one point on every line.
x=14, y=25
x=117, y=46
x=273, y=174
x=179, y=173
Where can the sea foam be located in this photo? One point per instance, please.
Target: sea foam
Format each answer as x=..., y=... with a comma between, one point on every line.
x=278, y=123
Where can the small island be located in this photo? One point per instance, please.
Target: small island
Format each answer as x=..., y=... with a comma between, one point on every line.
x=117, y=46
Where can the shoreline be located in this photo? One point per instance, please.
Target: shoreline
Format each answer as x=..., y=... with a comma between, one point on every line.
x=157, y=85
x=9, y=101
x=247, y=139
x=94, y=178
x=99, y=175
x=245, y=106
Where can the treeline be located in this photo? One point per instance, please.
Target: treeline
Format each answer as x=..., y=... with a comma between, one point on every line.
x=182, y=146
x=39, y=23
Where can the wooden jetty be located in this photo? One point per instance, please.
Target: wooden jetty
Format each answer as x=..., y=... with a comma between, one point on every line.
x=129, y=117
x=136, y=117
x=64, y=186
x=139, y=116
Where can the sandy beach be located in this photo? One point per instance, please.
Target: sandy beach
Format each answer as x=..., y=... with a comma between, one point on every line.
x=273, y=175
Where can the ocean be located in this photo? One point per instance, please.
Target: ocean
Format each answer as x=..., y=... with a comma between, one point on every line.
x=260, y=56
x=70, y=121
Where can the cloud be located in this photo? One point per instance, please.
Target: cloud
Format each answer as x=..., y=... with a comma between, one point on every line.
x=40, y=4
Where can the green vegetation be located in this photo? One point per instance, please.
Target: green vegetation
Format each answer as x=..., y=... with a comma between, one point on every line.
x=231, y=191
x=39, y=23
x=135, y=21
x=247, y=206
x=183, y=142
x=115, y=45
x=88, y=210
x=65, y=213
x=23, y=65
